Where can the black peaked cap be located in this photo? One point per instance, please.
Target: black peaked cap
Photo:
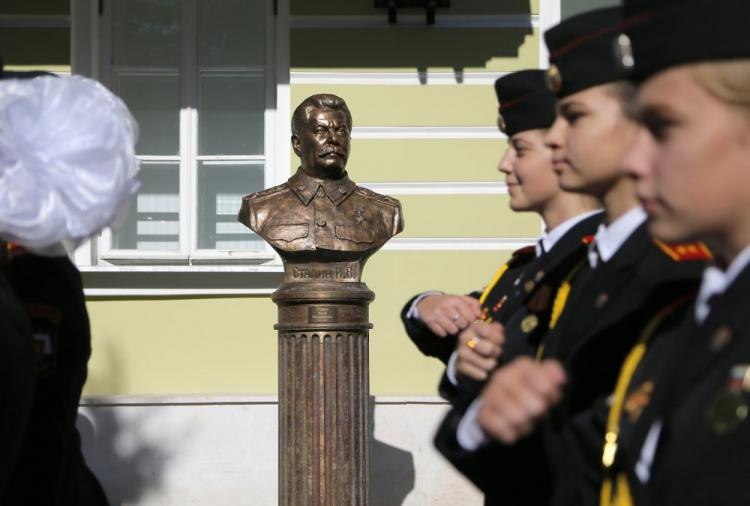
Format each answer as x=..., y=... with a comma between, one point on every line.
x=666, y=33
x=525, y=102
x=580, y=51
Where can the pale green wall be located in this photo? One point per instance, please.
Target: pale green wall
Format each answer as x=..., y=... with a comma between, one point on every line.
x=573, y=7
x=227, y=345
x=413, y=160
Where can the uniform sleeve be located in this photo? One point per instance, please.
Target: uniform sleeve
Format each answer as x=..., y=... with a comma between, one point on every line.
x=512, y=475
x=425, y=340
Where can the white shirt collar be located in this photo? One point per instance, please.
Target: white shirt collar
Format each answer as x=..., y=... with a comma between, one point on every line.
x=716, y=281
x=550, y=237
x=609, y=238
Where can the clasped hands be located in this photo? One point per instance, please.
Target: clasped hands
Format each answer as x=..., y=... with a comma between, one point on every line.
x=479, y=343
x=517, y=394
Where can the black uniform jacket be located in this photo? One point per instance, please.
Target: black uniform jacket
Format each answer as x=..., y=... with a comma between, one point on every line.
x=584, y=439
x=522, y=279
x=51, y=470
x=497, y=303
x=16, y=378
x=529, y=321
x=602, y=320
x=702, y=401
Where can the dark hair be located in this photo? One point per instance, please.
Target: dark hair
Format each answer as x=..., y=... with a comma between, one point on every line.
x=323, y=101
x=624, y=92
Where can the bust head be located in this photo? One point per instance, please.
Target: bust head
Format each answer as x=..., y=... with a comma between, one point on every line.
x=321, y=135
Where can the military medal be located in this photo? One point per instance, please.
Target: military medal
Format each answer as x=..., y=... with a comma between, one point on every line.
x=729, y=408
x=499, y=304
x=637, y=401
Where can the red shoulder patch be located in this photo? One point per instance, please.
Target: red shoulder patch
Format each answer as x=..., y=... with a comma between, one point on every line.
x=587, y=239
x=685, y=251
x=15, y=250
x=526, y=250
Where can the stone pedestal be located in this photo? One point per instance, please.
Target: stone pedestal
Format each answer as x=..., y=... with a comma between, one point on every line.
x=323, y=386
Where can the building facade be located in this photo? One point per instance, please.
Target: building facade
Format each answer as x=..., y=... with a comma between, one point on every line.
x=180, y=404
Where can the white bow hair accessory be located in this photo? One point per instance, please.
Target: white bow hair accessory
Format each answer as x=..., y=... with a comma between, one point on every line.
x=67, y=160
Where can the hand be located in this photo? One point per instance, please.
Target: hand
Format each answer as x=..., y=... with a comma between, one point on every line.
x=448, y=314
x=517, y=395
x=479, y=347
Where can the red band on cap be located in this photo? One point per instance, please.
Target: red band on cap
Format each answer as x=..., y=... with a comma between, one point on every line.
x=516, y=100
x=622, y=25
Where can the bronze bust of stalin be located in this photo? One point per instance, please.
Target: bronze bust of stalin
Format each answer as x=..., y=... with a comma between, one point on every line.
x=319, y=214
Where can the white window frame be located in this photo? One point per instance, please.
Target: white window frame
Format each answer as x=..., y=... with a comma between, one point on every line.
x=91, y=44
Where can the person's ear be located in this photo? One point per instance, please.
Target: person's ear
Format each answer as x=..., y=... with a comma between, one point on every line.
x=296, y=146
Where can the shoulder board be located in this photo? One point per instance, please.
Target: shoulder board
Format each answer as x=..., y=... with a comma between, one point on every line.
x=525, y=251
x=15, y=250
x=587, y=239
x=685, y=251
x=267, y=192
x=383, y=199
x=522, y=255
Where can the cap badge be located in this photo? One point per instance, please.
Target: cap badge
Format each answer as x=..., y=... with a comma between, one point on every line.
x=624, y=52
x=554, y=79
x=501, y=122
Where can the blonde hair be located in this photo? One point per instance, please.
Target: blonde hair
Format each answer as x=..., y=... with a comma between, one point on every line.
x=728, y=81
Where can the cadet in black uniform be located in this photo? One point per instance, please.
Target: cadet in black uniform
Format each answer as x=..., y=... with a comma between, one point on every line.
x=526, y=110
x=684, y=439
x=16, y=375
x=16, y=370
x=626, y=278
x=50, y=469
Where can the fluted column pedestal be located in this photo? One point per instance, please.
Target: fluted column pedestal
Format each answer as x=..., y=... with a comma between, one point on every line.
x=323, y=393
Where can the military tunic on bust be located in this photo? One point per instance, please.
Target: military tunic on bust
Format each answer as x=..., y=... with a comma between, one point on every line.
x=306, y=215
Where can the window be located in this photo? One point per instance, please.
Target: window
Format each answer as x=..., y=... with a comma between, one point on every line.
x=198, y=77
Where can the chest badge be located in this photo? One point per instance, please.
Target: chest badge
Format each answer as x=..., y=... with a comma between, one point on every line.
x=729, y=408
x=720, y=338
x=637, y=401
x=529, y=323
x=499, y=304
x=601, y=300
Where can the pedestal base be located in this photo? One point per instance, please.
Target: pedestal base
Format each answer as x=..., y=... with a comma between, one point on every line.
x=324, y=427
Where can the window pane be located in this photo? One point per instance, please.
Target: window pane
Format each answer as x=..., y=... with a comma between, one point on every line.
x=231, y=114
x=231, y=32
x=155, y=103
x=221, y=187
x=154, y=219
x=146, y=32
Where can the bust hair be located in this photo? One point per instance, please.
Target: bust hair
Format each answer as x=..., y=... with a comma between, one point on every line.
x=727, y=81
x=324, y=101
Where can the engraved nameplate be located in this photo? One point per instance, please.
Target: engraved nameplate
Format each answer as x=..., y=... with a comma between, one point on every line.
x=322, y=314
x=347, y=272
